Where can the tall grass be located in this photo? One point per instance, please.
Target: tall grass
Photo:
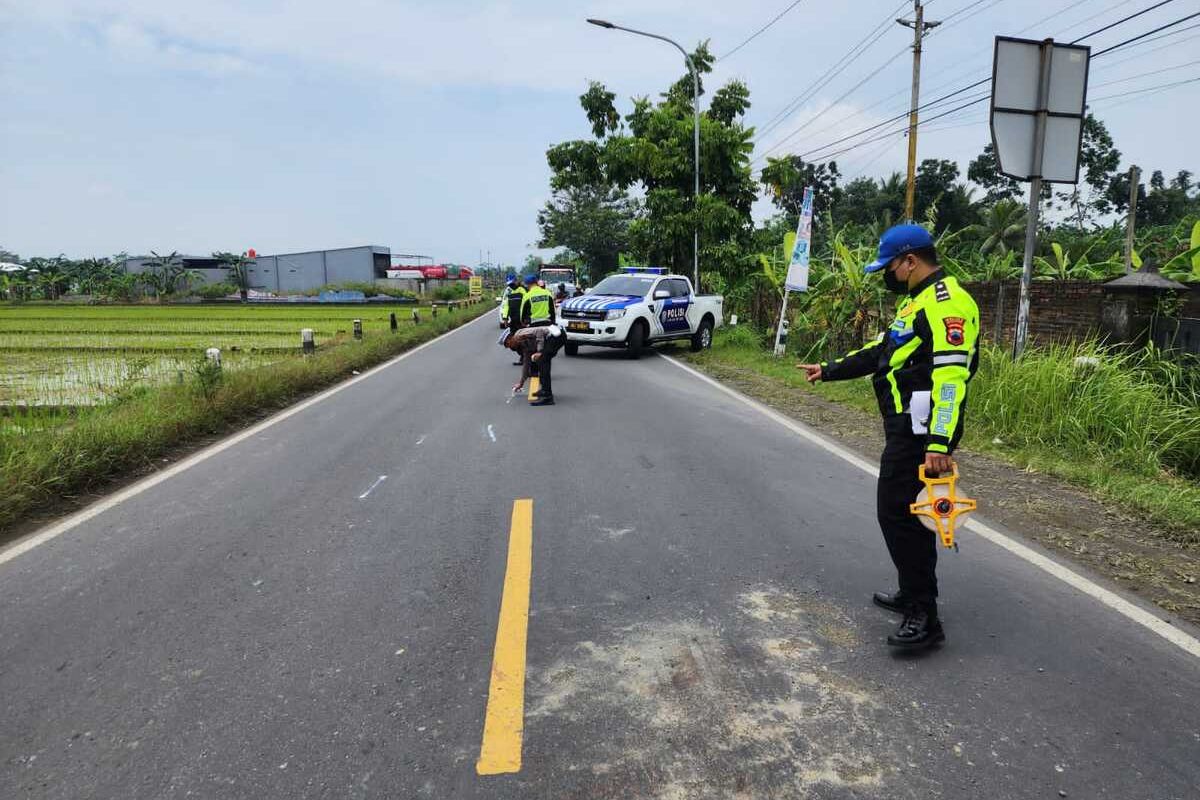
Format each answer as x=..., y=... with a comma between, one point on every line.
x=1092, y=402
x=1124, y=424
x=39, y=466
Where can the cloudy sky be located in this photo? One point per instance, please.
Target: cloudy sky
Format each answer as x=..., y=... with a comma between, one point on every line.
x=227, y=124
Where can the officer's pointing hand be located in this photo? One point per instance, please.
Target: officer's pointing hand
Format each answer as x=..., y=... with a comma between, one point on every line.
x=812, y=372
x=938, y=464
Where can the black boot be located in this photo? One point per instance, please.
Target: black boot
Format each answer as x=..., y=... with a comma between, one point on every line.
x=892, y=602
x=543, y=401
x=919, y=630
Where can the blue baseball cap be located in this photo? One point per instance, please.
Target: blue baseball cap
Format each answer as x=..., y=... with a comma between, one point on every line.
x=531, y=278
x=510, y=278
x=896, y=241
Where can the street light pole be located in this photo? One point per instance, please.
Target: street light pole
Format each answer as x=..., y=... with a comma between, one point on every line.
x=695, y=139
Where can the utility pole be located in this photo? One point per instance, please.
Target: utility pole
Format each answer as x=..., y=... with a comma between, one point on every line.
x=1135, y=175
x=919, y=26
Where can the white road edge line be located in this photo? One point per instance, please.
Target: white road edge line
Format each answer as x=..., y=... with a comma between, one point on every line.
x=378, y=481
x=1131, y=611
x=35, y=538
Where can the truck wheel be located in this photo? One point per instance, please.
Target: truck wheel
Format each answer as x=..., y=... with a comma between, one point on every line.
x=637, y=339
x=571, y=349
x=702, y=339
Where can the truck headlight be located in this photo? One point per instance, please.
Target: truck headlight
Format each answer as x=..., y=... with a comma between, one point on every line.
x=615, y=313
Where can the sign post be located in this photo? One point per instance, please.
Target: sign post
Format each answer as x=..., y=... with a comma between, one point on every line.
x=797, y=274
x=1039, y=89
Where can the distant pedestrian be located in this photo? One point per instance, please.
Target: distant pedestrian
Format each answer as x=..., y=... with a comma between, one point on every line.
x=537, y=347
x=920, y=369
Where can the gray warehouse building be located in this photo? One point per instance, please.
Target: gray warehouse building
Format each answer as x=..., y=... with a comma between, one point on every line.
x=293, y=272
x=297, y=272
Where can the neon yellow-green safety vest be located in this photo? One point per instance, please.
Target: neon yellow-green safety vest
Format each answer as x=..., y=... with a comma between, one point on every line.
x=538, y=304
x=921, y=366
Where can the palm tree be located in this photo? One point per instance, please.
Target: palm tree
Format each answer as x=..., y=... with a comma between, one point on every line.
x=1002, y=228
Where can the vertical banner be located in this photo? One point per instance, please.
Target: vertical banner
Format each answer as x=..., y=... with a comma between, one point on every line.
x=797, y=274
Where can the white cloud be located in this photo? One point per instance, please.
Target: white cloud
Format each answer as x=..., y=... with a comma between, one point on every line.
x=534, y=45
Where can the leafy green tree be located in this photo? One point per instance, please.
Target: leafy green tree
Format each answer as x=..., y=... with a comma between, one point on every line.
x=1098, y=162
x=984, y=171
x=590, y=221
x=650, y=148
x=785, y=178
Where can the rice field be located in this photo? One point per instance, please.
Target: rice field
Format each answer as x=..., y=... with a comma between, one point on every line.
x=67, y=357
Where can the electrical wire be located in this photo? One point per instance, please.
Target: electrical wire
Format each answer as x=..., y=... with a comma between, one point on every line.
x=1118, y=46
x=846, y=60
x=1145, y=74
x=1162, y=88
x=1123, y=20
x=1133, y=39
x=843, y=96
x=1138, y=56
x=755, y=35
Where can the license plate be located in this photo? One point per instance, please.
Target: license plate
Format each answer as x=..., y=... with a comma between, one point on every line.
x=582, y=327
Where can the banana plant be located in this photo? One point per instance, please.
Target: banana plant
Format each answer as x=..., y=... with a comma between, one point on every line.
x=1185, y=266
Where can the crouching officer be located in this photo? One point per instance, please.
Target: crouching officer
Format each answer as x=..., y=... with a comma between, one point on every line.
x=537, y=346
x=920, y=369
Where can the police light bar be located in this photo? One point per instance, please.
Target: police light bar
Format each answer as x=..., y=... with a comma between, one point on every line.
x=645, y=270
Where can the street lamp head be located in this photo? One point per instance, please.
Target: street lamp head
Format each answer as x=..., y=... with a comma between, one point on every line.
x=601, y=23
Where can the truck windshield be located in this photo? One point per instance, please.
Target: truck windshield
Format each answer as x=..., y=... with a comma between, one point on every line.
x=633, y=285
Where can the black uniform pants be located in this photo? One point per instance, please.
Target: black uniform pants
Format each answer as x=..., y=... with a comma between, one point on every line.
x=913, y=547
x=549, y=350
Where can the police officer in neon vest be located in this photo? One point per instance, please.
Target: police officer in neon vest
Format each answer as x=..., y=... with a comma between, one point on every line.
x=920, y=369
x=537, y=306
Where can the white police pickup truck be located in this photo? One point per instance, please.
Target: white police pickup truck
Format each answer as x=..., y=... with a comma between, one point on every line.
x=638, y=307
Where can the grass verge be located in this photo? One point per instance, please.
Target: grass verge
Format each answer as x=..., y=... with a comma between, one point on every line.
x=1123, y=427
x=39, y=469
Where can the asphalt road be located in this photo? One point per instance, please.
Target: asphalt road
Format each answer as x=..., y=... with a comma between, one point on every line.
x=699, y=617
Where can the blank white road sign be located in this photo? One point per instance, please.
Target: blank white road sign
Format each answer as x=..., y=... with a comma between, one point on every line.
x=1016, y=78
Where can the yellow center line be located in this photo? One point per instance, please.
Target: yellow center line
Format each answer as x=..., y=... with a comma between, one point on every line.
x=504, y=723
x=534, y=385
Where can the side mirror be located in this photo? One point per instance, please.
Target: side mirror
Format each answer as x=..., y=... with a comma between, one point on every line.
x=661, y=294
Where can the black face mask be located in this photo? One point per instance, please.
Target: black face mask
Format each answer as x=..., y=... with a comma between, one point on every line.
x=893, y=282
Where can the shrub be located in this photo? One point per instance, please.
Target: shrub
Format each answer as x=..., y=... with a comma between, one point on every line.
x=215, y=291
x=455, y=292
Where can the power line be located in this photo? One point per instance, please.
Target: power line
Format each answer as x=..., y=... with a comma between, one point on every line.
x=1162, y=88
x=1137, y=56
x=1049, y=17
x=1146, y=74
x=888, y=121
x=1123, y=20
x=855, y=135
x=1133, y=39
x=844, y=95
x=755, y=35
x=846, y=60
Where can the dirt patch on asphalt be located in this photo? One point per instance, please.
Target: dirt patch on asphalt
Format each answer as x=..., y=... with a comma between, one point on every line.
x=755, y=707
x=1063, y=518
